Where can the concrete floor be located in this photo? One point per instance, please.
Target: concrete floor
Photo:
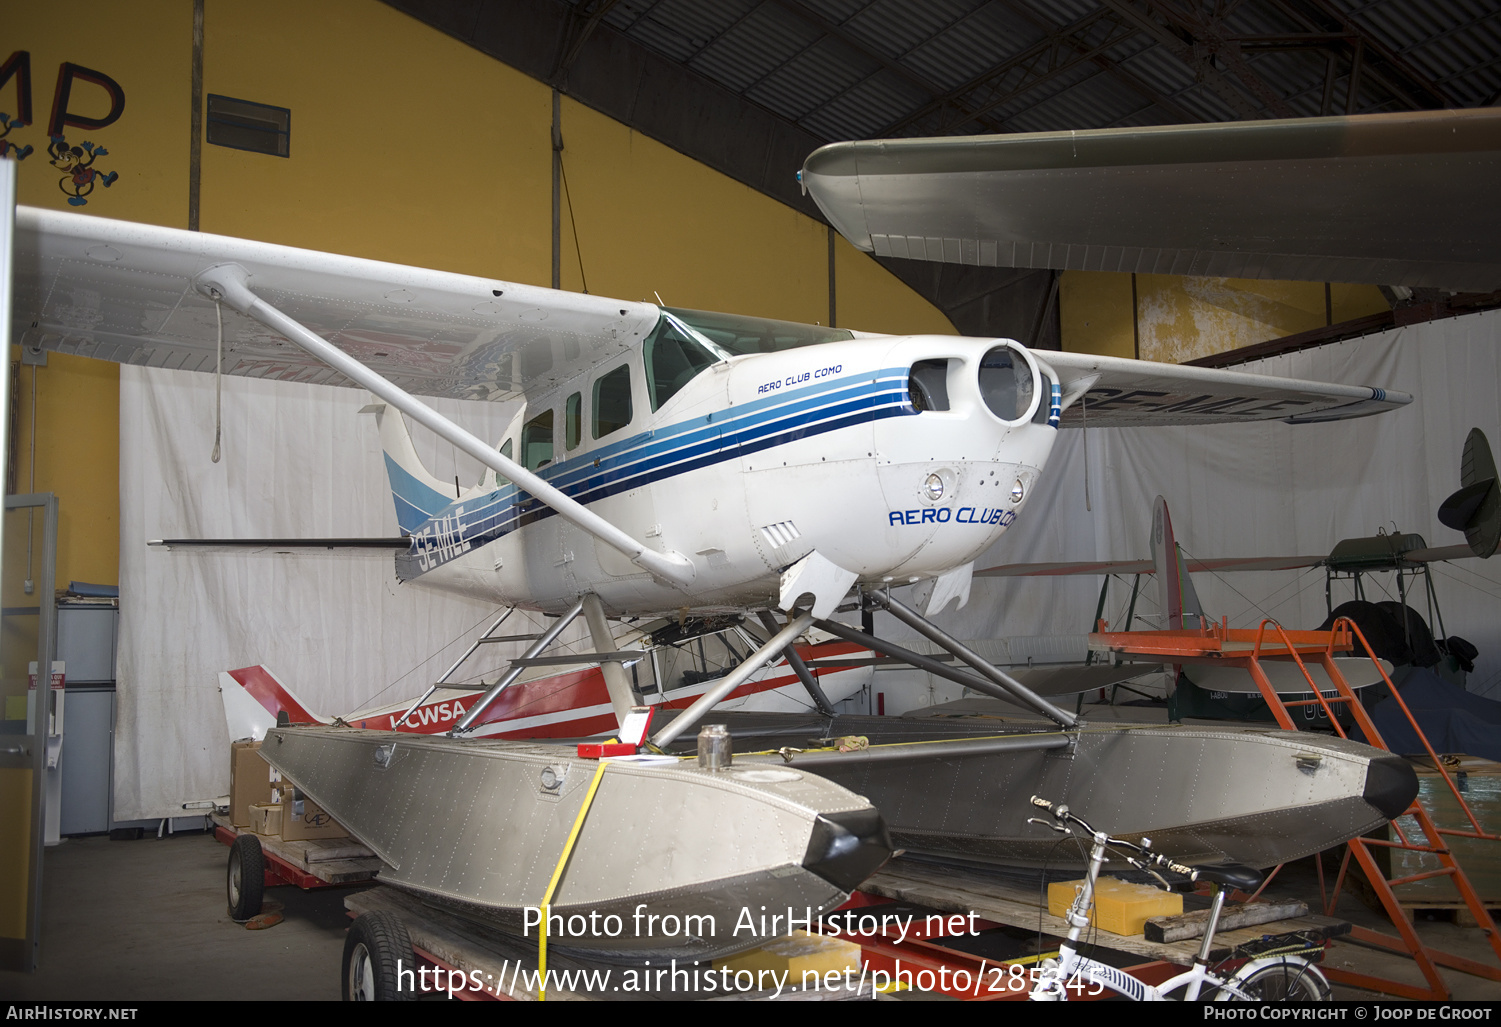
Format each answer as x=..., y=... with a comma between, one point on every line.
x=140, y=920
x=147, y=919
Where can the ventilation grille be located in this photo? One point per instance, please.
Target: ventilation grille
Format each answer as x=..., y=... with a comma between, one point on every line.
x=780, y=534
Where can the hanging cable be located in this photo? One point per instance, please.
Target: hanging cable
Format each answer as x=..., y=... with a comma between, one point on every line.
x=218, y=377
x=573, y=222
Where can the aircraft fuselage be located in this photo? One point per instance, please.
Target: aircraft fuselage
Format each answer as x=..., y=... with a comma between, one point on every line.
x=758, y=461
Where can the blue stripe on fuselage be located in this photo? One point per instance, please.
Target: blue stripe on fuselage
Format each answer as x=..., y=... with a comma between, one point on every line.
x=657, y=454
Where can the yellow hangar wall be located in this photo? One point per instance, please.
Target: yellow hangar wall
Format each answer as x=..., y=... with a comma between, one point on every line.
x=405, y=145
x=1173, y=319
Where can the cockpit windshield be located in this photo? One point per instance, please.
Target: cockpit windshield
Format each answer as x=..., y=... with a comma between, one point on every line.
x=738, y=335
x=686, y=342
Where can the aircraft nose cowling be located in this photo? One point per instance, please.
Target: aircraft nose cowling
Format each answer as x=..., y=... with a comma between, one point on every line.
x=846, y=848
x=1391, y=784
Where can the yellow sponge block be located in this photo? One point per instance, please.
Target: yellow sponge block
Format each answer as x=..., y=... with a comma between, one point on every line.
x=1119, y=907
x=796, y=954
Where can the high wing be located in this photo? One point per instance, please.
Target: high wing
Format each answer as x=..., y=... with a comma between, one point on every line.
x=1392, y=199
x=1114, y=392
x=124, y=292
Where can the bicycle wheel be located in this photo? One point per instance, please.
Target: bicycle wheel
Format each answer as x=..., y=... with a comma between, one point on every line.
x=1284, y=980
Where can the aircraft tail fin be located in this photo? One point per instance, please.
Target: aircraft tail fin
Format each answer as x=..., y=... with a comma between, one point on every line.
x=1179, y=601
x=253, y=696
x=417, y=494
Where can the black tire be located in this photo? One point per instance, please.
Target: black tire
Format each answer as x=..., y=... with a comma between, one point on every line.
x=376, y=948
x=1291, y=980
x=246, y=882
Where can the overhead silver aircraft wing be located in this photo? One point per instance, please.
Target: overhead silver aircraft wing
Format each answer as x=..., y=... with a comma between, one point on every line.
x=1115, y=392
x=124, y=292
x=1393, y=199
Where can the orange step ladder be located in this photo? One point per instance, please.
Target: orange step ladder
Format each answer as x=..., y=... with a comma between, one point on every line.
x=1247, y=648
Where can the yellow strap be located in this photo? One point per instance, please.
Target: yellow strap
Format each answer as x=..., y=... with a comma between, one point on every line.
x=557, y=875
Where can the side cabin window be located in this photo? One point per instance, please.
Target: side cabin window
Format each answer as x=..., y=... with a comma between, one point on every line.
x=673, y=358
x=573, y=421
x=536, y=442
x=612, y=401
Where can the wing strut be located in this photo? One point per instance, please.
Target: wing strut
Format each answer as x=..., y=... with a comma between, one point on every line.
x=228, y=282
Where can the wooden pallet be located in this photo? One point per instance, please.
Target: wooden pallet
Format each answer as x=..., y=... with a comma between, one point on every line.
x=329, y=861
x=994, y=897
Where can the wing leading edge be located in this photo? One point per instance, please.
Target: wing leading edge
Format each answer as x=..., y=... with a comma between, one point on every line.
x=126, y=292
x=1113, y=392
x=123, y=292
x=1392, y=199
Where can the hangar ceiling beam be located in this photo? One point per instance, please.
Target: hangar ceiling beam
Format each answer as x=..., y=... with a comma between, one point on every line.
x=1059, y=50
x=895, y=67
x=581, y=24
x=1072, y=35
x=1389, y=68
x=1197, y=43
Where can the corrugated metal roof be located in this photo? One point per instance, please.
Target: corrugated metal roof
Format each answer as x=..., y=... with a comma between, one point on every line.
x=850, y=69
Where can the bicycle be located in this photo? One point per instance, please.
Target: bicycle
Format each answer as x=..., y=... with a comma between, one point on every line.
x=1277, y=977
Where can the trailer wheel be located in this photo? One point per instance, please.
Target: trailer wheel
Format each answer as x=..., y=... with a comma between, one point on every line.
x=376, y=948
x=247, y=877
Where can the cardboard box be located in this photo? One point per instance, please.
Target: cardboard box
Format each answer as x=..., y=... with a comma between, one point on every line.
x=304, y=818
x=265, y=819
x=1119, y=907
x=249, y=780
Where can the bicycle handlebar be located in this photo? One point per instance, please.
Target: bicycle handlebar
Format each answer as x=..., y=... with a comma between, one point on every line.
x=1065, y=815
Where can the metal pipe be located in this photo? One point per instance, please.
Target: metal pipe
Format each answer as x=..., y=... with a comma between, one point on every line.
x=800, y=668
x=1018, y=691
x=949, y=749
x=917, y=660
x=733, y=680
x=547, y=639
x=622, y=697
x=228, y=282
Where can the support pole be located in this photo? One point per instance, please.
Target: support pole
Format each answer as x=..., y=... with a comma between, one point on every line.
x=800, y=668
x=548, y=637
x=616, y=683
x=1018, y=692
x=896, y=652
x=733, y=680
x=947, y=749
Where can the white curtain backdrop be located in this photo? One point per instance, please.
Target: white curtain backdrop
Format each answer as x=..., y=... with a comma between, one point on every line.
x=297, y=461
x=301, y=461
x=1272, y=489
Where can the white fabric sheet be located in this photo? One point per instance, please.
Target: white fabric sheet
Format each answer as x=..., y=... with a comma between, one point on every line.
x=297, y=461
x=1274, y=489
